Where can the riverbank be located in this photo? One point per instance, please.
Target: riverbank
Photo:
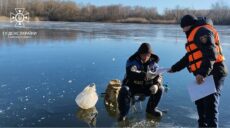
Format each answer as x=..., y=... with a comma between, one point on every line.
x=145, y=21
x=126, y=20
x=5, y=18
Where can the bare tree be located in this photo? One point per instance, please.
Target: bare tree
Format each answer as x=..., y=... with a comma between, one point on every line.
x=67, y=10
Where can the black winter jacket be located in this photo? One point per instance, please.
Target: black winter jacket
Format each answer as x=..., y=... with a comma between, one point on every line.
x=208, y=50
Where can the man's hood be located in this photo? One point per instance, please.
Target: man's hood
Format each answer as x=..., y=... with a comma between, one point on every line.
x=203, y=21
x=199, y=22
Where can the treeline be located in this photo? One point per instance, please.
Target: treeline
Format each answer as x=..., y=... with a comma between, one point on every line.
x=57, y=10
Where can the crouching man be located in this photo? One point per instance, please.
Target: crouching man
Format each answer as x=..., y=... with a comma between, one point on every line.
x=141, y=79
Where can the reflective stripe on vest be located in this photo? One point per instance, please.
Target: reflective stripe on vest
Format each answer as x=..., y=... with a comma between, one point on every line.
x=194, y=53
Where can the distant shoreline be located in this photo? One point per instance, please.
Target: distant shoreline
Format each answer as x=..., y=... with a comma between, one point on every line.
x=127, y=20
x=137, y=20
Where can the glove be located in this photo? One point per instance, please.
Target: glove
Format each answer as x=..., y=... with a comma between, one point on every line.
x=153, y=89
x=151, y=74
x=134, y=69
x=170, y=70
x=160, y=79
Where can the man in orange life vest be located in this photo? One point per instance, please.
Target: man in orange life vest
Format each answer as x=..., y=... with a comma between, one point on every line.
x=204, y=57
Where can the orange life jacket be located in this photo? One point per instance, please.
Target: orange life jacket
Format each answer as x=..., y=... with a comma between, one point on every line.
x=194, y=53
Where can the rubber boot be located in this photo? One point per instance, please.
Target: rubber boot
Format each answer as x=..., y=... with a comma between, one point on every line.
x=124, y=100
x=153, y=102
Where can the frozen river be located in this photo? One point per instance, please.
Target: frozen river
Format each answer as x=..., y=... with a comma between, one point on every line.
x=41, y=76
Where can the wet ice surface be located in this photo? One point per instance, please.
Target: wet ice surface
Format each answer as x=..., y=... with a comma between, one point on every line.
x=41, y=77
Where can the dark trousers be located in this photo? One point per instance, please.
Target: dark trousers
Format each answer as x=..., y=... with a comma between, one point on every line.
x=125, y=95
x=208, y=106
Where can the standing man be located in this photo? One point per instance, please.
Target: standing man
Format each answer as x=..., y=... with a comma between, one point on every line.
x=141, y=79
x=204, y=57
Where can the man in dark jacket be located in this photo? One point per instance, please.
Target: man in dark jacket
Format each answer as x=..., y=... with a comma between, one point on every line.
x=204, y=57
x=141, y=79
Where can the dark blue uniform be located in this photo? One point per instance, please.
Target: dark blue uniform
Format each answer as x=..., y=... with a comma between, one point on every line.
x=207, y=107
x=135, y=83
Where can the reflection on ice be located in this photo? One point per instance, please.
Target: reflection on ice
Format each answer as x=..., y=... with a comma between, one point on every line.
x=88, y=115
